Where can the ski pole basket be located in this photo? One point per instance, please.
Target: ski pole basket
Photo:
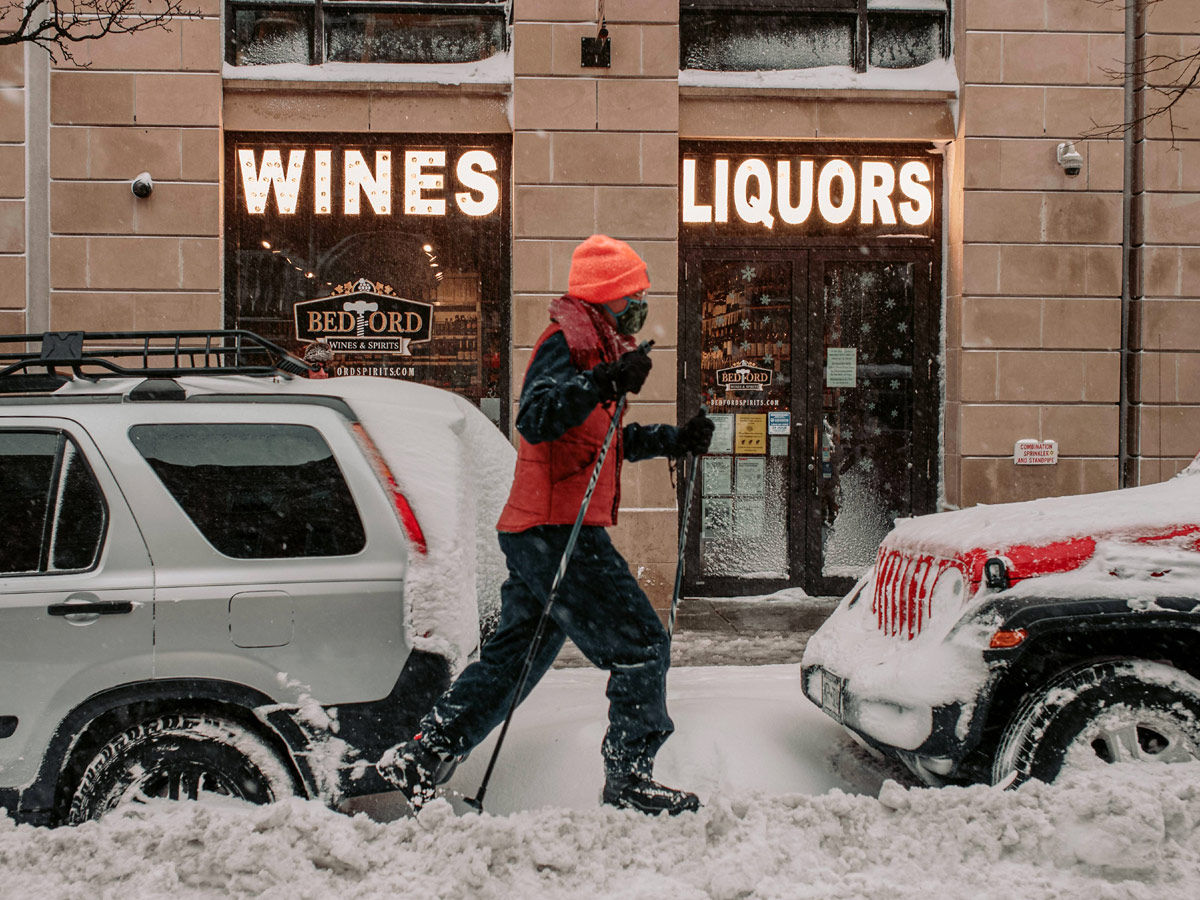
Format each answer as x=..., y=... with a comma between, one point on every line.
x=92, y=355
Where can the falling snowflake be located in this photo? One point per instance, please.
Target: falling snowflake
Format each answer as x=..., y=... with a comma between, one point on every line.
x=897, y=353
x=866, y=327
x=894, y=384
x=768, y=360
x=902, y=327
x=748, y=273
x=889, y=303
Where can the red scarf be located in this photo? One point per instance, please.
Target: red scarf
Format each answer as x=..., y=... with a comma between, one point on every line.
x=588, y=331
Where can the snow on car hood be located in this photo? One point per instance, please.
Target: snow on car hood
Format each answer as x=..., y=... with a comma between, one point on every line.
x=455, y=468
x=1151, y=509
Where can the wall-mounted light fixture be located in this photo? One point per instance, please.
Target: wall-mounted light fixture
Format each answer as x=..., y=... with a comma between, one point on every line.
x=596, y=53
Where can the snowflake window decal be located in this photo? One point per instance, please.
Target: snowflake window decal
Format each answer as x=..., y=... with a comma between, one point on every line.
x=897, y=353
x=866, y=327
x=902, y=327
x=748, y=273
x=894, y=384
x=744, y=324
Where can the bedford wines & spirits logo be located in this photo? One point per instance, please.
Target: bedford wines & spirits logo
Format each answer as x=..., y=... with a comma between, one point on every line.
x=364, y=317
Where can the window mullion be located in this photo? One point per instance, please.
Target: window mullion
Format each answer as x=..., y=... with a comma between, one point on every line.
x=318, y=50
x=861, y=51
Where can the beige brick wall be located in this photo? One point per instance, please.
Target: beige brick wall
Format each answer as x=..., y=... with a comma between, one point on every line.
x=1033, y=295
x=596, y=150
x=148, y=102
x=12, y=189
x=1169, y=270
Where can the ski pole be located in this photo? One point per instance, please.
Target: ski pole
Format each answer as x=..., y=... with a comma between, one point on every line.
x=476, y=802
x=691, y=464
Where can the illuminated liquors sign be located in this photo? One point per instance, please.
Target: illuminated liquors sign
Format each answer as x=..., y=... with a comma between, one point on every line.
x=811, y=195
x=364, y=317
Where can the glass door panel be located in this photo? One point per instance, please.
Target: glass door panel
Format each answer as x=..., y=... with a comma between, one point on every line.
x=868, y=394
x=746, y=349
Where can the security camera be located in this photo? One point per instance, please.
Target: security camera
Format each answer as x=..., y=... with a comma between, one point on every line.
x=1069, y=158
x=142, y=185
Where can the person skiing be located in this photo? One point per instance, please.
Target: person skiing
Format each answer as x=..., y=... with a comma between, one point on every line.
x=582, y=363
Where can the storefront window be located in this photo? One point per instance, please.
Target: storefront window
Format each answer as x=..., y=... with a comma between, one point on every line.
x=378, y=31
x=741, y=36
x=374, y=255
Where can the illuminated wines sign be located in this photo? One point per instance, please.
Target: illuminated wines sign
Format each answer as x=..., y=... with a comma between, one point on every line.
x=419, y=182
x=819, y=195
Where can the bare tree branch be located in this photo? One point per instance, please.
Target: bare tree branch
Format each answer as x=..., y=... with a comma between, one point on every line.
x=56, y=25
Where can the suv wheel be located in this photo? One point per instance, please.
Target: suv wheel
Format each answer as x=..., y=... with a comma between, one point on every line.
x=1124, y=711
x=183, y=756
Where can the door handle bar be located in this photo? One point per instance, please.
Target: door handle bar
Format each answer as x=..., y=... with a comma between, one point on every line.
x=99, y=608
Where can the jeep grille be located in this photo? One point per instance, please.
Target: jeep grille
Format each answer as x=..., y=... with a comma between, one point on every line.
x=903, y=602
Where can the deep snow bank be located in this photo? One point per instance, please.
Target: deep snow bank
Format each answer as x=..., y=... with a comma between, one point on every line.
x=1121, y=832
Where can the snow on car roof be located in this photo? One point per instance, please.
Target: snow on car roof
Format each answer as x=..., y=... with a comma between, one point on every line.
x=1135, y=511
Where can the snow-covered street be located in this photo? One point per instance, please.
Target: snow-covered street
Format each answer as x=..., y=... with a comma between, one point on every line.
x=793, y=809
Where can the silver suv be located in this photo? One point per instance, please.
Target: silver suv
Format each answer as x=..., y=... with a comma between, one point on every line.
x=217, y=577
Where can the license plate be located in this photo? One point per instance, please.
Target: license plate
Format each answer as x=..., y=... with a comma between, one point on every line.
x=831, y=695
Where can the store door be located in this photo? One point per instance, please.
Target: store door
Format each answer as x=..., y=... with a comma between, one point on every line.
x=819, y=369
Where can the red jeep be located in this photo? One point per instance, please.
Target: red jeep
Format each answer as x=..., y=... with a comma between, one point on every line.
x=1002, y=643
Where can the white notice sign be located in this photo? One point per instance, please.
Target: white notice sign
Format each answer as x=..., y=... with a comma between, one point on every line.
x=1030, y=452
x=841, y=367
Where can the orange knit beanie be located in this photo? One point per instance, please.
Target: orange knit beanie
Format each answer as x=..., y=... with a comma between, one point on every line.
x=603, y=269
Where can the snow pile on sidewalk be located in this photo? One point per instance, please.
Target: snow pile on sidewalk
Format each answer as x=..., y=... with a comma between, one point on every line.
x=1117, y=832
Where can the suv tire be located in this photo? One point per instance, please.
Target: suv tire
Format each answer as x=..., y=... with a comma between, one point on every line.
x=181, y=756
x=1120, y=711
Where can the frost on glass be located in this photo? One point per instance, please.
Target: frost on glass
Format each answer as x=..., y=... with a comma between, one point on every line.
x=740, y=43
x=361, y=35
x=866, y=445
x=905, y=40
x=264, y=37
x=743, y=488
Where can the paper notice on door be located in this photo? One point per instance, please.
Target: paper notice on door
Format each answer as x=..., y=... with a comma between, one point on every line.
x=716, y=519
x=841, y=367
x=751, y=476
x=779, y=446
x=751, y=433
x=748, y=517
x=717, y=478
x=722, y=439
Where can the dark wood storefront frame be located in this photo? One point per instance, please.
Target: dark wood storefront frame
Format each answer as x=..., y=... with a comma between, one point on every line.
x=810, y=254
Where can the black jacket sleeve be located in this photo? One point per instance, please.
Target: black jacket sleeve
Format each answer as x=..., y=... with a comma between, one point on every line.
x=556, y=396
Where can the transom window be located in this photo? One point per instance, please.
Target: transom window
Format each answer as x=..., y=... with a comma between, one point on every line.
x=312, y=32
x=742, y=36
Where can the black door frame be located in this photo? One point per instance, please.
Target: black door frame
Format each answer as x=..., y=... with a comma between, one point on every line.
x=697, y=243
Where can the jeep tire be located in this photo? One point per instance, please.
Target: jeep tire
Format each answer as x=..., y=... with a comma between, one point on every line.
x=1118, y=711
x=181, y=756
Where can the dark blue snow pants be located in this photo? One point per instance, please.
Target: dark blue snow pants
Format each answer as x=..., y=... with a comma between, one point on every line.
x=603, y=610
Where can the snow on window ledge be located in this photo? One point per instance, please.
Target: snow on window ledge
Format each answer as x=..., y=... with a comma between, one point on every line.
x=937, y=76
x=924, y=5
x=497, y=69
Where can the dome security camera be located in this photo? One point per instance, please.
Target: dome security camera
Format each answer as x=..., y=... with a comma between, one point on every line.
x=1069, y=158
x=142, y=185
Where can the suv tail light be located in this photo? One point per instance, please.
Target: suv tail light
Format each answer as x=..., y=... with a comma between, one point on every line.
x=408, y=519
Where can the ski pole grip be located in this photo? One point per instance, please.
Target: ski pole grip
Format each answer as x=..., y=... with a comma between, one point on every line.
x=645, y=346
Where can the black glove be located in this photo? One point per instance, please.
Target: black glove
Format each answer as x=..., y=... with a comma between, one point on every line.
x=625, y=376
x=695, y=435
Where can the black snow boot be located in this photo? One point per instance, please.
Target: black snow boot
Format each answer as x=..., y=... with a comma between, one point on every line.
x=416, y=770
x=640, y=793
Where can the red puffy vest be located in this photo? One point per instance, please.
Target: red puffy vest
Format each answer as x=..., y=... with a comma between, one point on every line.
x=552, y=476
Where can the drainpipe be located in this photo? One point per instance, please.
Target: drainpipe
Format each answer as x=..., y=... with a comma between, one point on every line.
x=1127, y=457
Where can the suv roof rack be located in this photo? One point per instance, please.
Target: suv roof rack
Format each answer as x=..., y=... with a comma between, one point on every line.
x=92, y=355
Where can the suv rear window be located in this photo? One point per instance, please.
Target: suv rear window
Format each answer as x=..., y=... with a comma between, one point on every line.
x=256, y=491
x=54, y=514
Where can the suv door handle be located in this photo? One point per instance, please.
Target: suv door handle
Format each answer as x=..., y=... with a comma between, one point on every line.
x=94, y=608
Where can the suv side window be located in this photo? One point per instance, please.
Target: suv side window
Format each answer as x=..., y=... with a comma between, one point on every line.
x=54, y=511
x=256, y=491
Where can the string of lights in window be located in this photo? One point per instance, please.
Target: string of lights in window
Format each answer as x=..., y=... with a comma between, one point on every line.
x=313, y=32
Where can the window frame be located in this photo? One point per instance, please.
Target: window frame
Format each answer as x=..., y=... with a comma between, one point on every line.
x=862, y=50
x=316, y=34
x=54, y=506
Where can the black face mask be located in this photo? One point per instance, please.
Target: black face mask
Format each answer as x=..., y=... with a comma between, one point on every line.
x=633, y=317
